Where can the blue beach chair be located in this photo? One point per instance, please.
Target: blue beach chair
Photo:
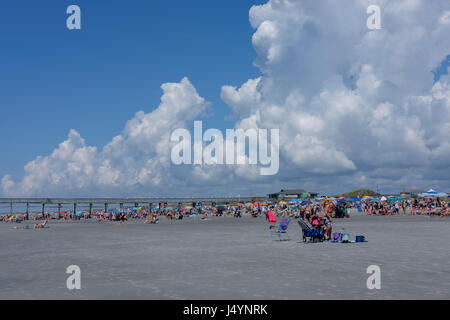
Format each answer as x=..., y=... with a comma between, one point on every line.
x=314, y=235
x=281, y=231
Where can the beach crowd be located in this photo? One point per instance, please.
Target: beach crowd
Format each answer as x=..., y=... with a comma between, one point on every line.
x=317, y=213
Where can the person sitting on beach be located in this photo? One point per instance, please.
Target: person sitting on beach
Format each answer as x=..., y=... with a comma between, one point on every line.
x=41, y=225
x=386, y=209
x=445, y=210
x=315, y=222
x=152, y=219
x=318, y=224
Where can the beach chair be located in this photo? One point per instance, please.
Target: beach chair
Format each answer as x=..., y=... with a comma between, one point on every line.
x=281, y=231
x=313, y=235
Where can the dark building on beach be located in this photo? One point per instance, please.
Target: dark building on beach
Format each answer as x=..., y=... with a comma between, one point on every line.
x=292, y=194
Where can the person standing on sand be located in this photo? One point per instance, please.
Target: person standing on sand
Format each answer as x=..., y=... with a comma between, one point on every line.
x=397, y=208
x=404, y=207
x=330, y=209
x=122, y=218
x=308, y=214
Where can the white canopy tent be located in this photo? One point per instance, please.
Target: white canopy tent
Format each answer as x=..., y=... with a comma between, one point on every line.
x=433, y=194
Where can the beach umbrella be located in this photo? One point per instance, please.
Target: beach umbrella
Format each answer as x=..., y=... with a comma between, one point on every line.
x=432, y=193
x=435, y=195
x=383, y=198
x=429, y=194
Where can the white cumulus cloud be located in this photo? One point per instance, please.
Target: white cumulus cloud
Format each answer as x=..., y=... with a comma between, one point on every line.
x=355, y=106
x=137, y=160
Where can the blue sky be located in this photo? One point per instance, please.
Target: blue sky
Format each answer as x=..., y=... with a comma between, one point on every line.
x=442, y=69
x=94, y=80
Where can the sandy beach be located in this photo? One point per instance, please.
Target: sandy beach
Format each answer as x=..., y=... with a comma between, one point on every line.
x=225, y=258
